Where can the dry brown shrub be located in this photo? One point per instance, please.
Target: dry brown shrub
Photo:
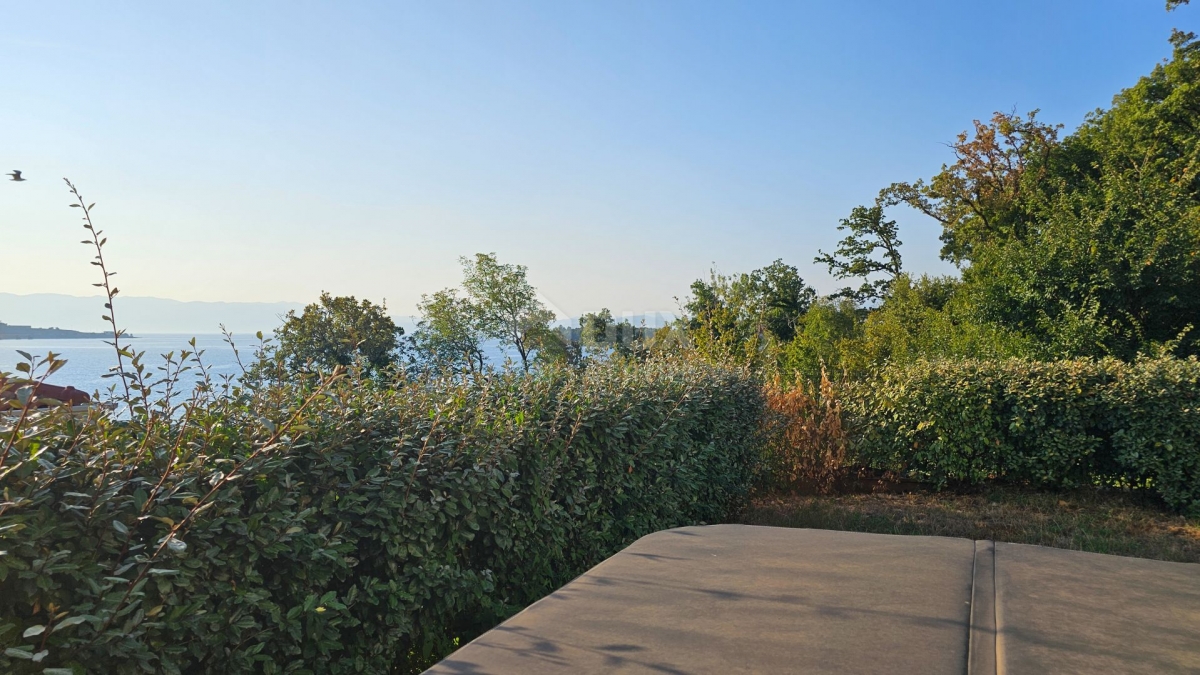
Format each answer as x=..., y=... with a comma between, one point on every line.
x=806, y=441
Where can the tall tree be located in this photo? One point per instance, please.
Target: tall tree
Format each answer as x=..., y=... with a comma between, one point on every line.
x=740, y=316
x=339, y=331
x=778, y=297
x=1113, y=265
x=594, y=328
x=982, y=196
x=871, y=249
x=1089, y=245
x=509, y=309
x=450, y=334
x=555, y=345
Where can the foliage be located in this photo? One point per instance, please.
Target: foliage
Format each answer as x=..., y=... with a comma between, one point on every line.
x=982, y=196
x=669, y=340
x=1085, y=245
x=97, y=240
x=345, y=524
x=855, y=255
x=1081, y=246
x=804, y=442
x=1115, y=251
x=779, y=297
x=509, y=310
x=738, y=317
x=928, y=318
x=339, y=331
x=499, y=304
x=827, y=337
x=599, y=331
x=1063, y=423
x=450, y=335
x=924, y=318
x=1153, y=415
x=555, y=347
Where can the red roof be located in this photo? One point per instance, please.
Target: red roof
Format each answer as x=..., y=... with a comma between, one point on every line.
x=69, y=395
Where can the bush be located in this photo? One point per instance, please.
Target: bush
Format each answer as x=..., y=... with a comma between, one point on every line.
x=345, y=526
x=1060, y=424
x=1154, y=415
x=804, y=442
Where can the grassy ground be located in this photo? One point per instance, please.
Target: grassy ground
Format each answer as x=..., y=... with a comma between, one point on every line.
x=1085, y=520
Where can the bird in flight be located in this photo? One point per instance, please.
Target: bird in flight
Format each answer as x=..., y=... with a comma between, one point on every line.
x=16, y=175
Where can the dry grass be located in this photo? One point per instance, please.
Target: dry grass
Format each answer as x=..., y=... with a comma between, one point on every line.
x=1095, y=521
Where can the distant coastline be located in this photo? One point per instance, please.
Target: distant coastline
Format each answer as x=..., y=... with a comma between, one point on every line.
x=8, y=332
x=143, y=315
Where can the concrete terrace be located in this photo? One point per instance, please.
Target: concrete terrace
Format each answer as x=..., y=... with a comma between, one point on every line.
x=745, y=599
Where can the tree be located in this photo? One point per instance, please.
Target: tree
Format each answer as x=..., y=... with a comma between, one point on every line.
x=925, y=319
x=740, y=316
x=599, y=331
x=594, y=328
x=450, y=334
x=856, y=257
x=509, y=310
x=339, y=331
x=824, y=338
x=1090, y=245
x=556, y=345
x=768, y=301
x=981, y=197
x=1113, y=264
x=780, y=298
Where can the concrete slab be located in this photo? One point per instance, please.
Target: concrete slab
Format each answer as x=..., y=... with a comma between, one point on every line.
x=745, y=599
x=1074, y=612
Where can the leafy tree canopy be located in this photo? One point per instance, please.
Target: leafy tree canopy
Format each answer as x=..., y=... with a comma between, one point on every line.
x=1088, y=244
x=339, y=331
x=600, y=331
x=739, y=316
x=1111, y=261
x=981, y=197
x=450, y=334
x=856, y=256
x=509, y=310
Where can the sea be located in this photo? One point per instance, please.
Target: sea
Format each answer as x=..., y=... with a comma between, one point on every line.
x=88, y=360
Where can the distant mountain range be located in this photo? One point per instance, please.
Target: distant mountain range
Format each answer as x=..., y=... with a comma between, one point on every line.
x=140, y=315
x=145, y=315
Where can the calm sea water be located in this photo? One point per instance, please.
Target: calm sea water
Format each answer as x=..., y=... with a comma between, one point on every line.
x=89, y=360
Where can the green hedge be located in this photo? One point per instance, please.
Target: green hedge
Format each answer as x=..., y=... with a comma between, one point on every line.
x=351, y=529
x=1061, y=423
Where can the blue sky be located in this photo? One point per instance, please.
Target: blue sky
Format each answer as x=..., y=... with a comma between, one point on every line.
x=266, y=151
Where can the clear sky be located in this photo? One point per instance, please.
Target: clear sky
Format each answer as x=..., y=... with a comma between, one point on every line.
x=264, y=151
